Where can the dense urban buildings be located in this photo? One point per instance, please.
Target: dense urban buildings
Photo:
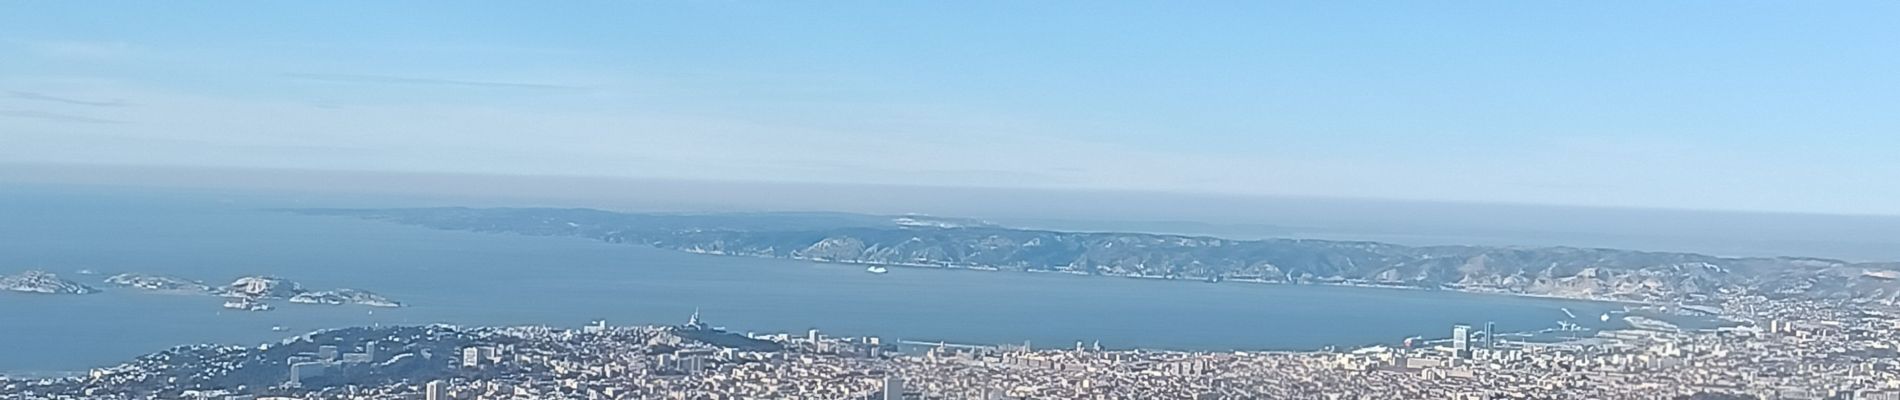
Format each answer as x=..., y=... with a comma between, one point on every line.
x=1762, y=349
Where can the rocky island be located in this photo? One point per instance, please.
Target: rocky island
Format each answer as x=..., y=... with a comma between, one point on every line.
x=344, y=296
x=253, y=289
x=264, y=287
x=161, y=283
x=43, y=282
x=249, y=293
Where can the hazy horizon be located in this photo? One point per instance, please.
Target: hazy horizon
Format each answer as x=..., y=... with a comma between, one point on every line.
x=1724, y=233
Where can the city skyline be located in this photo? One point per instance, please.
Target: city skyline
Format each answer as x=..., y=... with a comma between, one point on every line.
x=977, y=200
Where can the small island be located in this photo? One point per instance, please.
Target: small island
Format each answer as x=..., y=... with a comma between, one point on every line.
x=42, y=282
x=253, y=289
x=344, y=296
x=264, y=287
x=248, y=293
x=161, y=283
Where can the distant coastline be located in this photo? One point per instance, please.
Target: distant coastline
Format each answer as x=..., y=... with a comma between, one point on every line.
x=1591, y=274
x=1626, y=302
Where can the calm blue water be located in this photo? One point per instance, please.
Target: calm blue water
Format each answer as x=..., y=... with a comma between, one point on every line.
x=472, y=278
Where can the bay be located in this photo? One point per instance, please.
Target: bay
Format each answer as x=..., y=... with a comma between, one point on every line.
x=493, y=279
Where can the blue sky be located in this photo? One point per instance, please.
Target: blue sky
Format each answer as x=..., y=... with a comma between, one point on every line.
x=1775, y=106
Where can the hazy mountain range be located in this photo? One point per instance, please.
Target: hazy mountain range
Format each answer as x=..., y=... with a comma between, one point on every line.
x=926, y=241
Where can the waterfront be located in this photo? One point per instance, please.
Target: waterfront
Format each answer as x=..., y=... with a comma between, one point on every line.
x=485, y=279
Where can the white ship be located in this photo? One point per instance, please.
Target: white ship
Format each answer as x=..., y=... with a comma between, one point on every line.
x=877, y=269
x=246, y=304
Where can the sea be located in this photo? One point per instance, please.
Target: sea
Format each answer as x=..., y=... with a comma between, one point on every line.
x=88, y=233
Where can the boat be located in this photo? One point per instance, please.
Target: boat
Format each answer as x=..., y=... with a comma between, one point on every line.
x=877, y=269
x=246, y=304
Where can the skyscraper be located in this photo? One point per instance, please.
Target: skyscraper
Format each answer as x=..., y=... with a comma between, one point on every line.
x=1490, y=335
x=434, y=391
x=893, y=387
x=1461, y=340
x=474, y=356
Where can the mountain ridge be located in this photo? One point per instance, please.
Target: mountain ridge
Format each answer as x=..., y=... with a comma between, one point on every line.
x=925, y=241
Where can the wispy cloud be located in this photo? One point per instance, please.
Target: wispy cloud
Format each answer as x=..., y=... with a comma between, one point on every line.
x=400, y=80
x=66, y=100
x=78, y=49
x=56, y=117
